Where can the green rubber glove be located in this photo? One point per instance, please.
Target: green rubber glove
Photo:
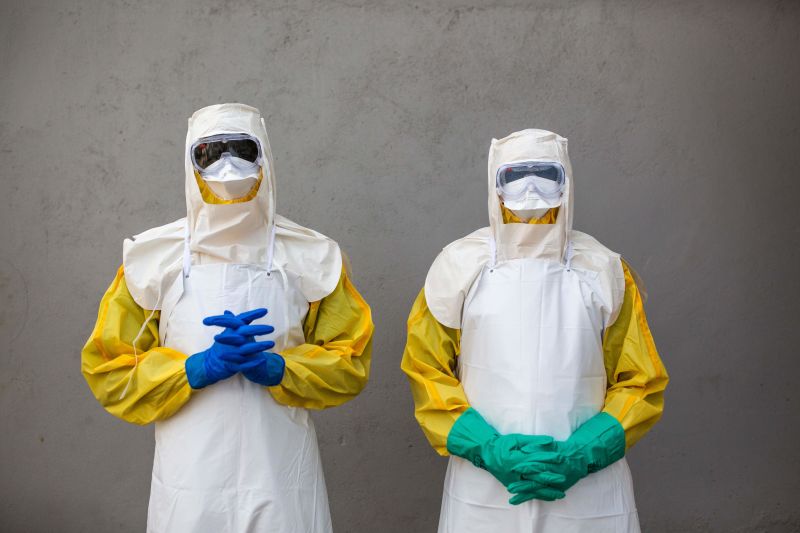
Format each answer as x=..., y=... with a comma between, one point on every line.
x=472, y=438
x=595, y=445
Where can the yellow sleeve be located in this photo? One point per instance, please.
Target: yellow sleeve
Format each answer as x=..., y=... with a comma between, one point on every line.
x=332, y=366
x=636, y=376
x=429, y=361
x=156, y=383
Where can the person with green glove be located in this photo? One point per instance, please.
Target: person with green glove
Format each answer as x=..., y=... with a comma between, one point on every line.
x=530, y=360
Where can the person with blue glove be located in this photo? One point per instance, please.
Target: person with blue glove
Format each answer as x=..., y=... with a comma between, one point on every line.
x=182, y=340
x=241, y=352
x=235, y=350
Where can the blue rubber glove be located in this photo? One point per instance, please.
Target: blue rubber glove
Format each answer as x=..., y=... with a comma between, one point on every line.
x=265, y=368
x=238, y=330
x=228, y=355
x=268, y=371
x=231, y=321
x=221, y=361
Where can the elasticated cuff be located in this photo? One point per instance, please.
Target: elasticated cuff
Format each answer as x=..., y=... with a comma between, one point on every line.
x=277, y=366
x=270, y=372
x=469, y=433
x=196, y=371
x=602, y=439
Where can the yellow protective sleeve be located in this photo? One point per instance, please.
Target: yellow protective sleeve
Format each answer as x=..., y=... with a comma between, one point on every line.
x=636, y=376
x=429, y=361
x=332, y=366
x=155, y=386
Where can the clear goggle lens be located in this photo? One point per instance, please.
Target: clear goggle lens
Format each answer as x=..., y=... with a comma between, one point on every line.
x=209, y=150
x=546, y=179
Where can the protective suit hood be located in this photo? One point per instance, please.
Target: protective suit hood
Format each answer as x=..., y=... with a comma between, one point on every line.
x=529, y=240
x=456, y=268
x=237, y=231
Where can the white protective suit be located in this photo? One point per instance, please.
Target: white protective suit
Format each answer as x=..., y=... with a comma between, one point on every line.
x=233, y=459
x=531, y=302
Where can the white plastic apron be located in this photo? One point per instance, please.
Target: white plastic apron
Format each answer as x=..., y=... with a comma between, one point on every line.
x=232, y=459
x=532, y=362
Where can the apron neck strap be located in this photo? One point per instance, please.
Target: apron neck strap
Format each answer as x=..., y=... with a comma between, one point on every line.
x=187, y=254
x=271, y=248
x=492, y=252
x=568, y=253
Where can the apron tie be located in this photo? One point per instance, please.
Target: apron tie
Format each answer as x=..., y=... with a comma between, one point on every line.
x=136, y=339
x=271, y=248
x=568, y=253
x=272, y=266
x=187, y=254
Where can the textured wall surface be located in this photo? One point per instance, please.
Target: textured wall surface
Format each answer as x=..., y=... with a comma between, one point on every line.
x=683, y=126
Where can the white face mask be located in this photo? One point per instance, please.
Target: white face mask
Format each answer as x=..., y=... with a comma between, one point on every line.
x=530, y=204
x=529, y=214
x=231, y=177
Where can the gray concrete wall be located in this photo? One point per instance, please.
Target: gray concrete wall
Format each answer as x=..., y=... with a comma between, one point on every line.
x=683, y=121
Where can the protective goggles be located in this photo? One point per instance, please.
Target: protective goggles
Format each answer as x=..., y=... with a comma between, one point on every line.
x=545, y=178
x=208, y=150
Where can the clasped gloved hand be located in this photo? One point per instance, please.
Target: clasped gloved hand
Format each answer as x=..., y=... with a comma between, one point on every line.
x=227, y=356
x=263, y=367
x=594, y=445
x=472, y=438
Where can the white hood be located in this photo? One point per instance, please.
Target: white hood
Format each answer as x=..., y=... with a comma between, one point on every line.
x=237, y=232
x=456, y=268
x=529, y=240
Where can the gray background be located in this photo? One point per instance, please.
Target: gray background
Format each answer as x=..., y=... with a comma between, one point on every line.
x=683, y=121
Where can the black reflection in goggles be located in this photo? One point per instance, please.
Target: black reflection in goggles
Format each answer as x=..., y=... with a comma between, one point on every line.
x=208, y=153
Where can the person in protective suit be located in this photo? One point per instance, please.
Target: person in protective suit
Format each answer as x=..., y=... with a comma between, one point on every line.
x=530, y=360
x=183, y=339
